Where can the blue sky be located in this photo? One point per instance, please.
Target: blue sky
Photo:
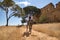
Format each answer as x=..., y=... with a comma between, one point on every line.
x=37, y=3
x=24, y=3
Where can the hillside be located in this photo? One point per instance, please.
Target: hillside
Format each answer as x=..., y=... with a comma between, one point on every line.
x=39, y=32
x=50, y=13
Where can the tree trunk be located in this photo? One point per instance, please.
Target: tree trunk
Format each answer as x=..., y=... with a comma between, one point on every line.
x=7, y=17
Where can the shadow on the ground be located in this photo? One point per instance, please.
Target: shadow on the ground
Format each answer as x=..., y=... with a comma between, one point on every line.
x=19, y=26
x=26, y=34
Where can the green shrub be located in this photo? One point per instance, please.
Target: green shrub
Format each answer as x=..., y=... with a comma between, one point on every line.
x=43, y=19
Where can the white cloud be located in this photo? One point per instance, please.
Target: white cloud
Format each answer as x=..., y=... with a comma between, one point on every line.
x=25, y=3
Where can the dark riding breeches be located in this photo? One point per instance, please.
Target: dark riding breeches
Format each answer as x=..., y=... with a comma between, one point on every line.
x=29, y=25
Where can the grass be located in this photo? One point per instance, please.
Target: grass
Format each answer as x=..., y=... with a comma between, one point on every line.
x=50, y=29
x=9, y=33
x=15, y=33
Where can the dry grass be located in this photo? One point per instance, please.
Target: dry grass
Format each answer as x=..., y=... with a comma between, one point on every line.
x=50, y=29
x=38, y=32
x=9, y=33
